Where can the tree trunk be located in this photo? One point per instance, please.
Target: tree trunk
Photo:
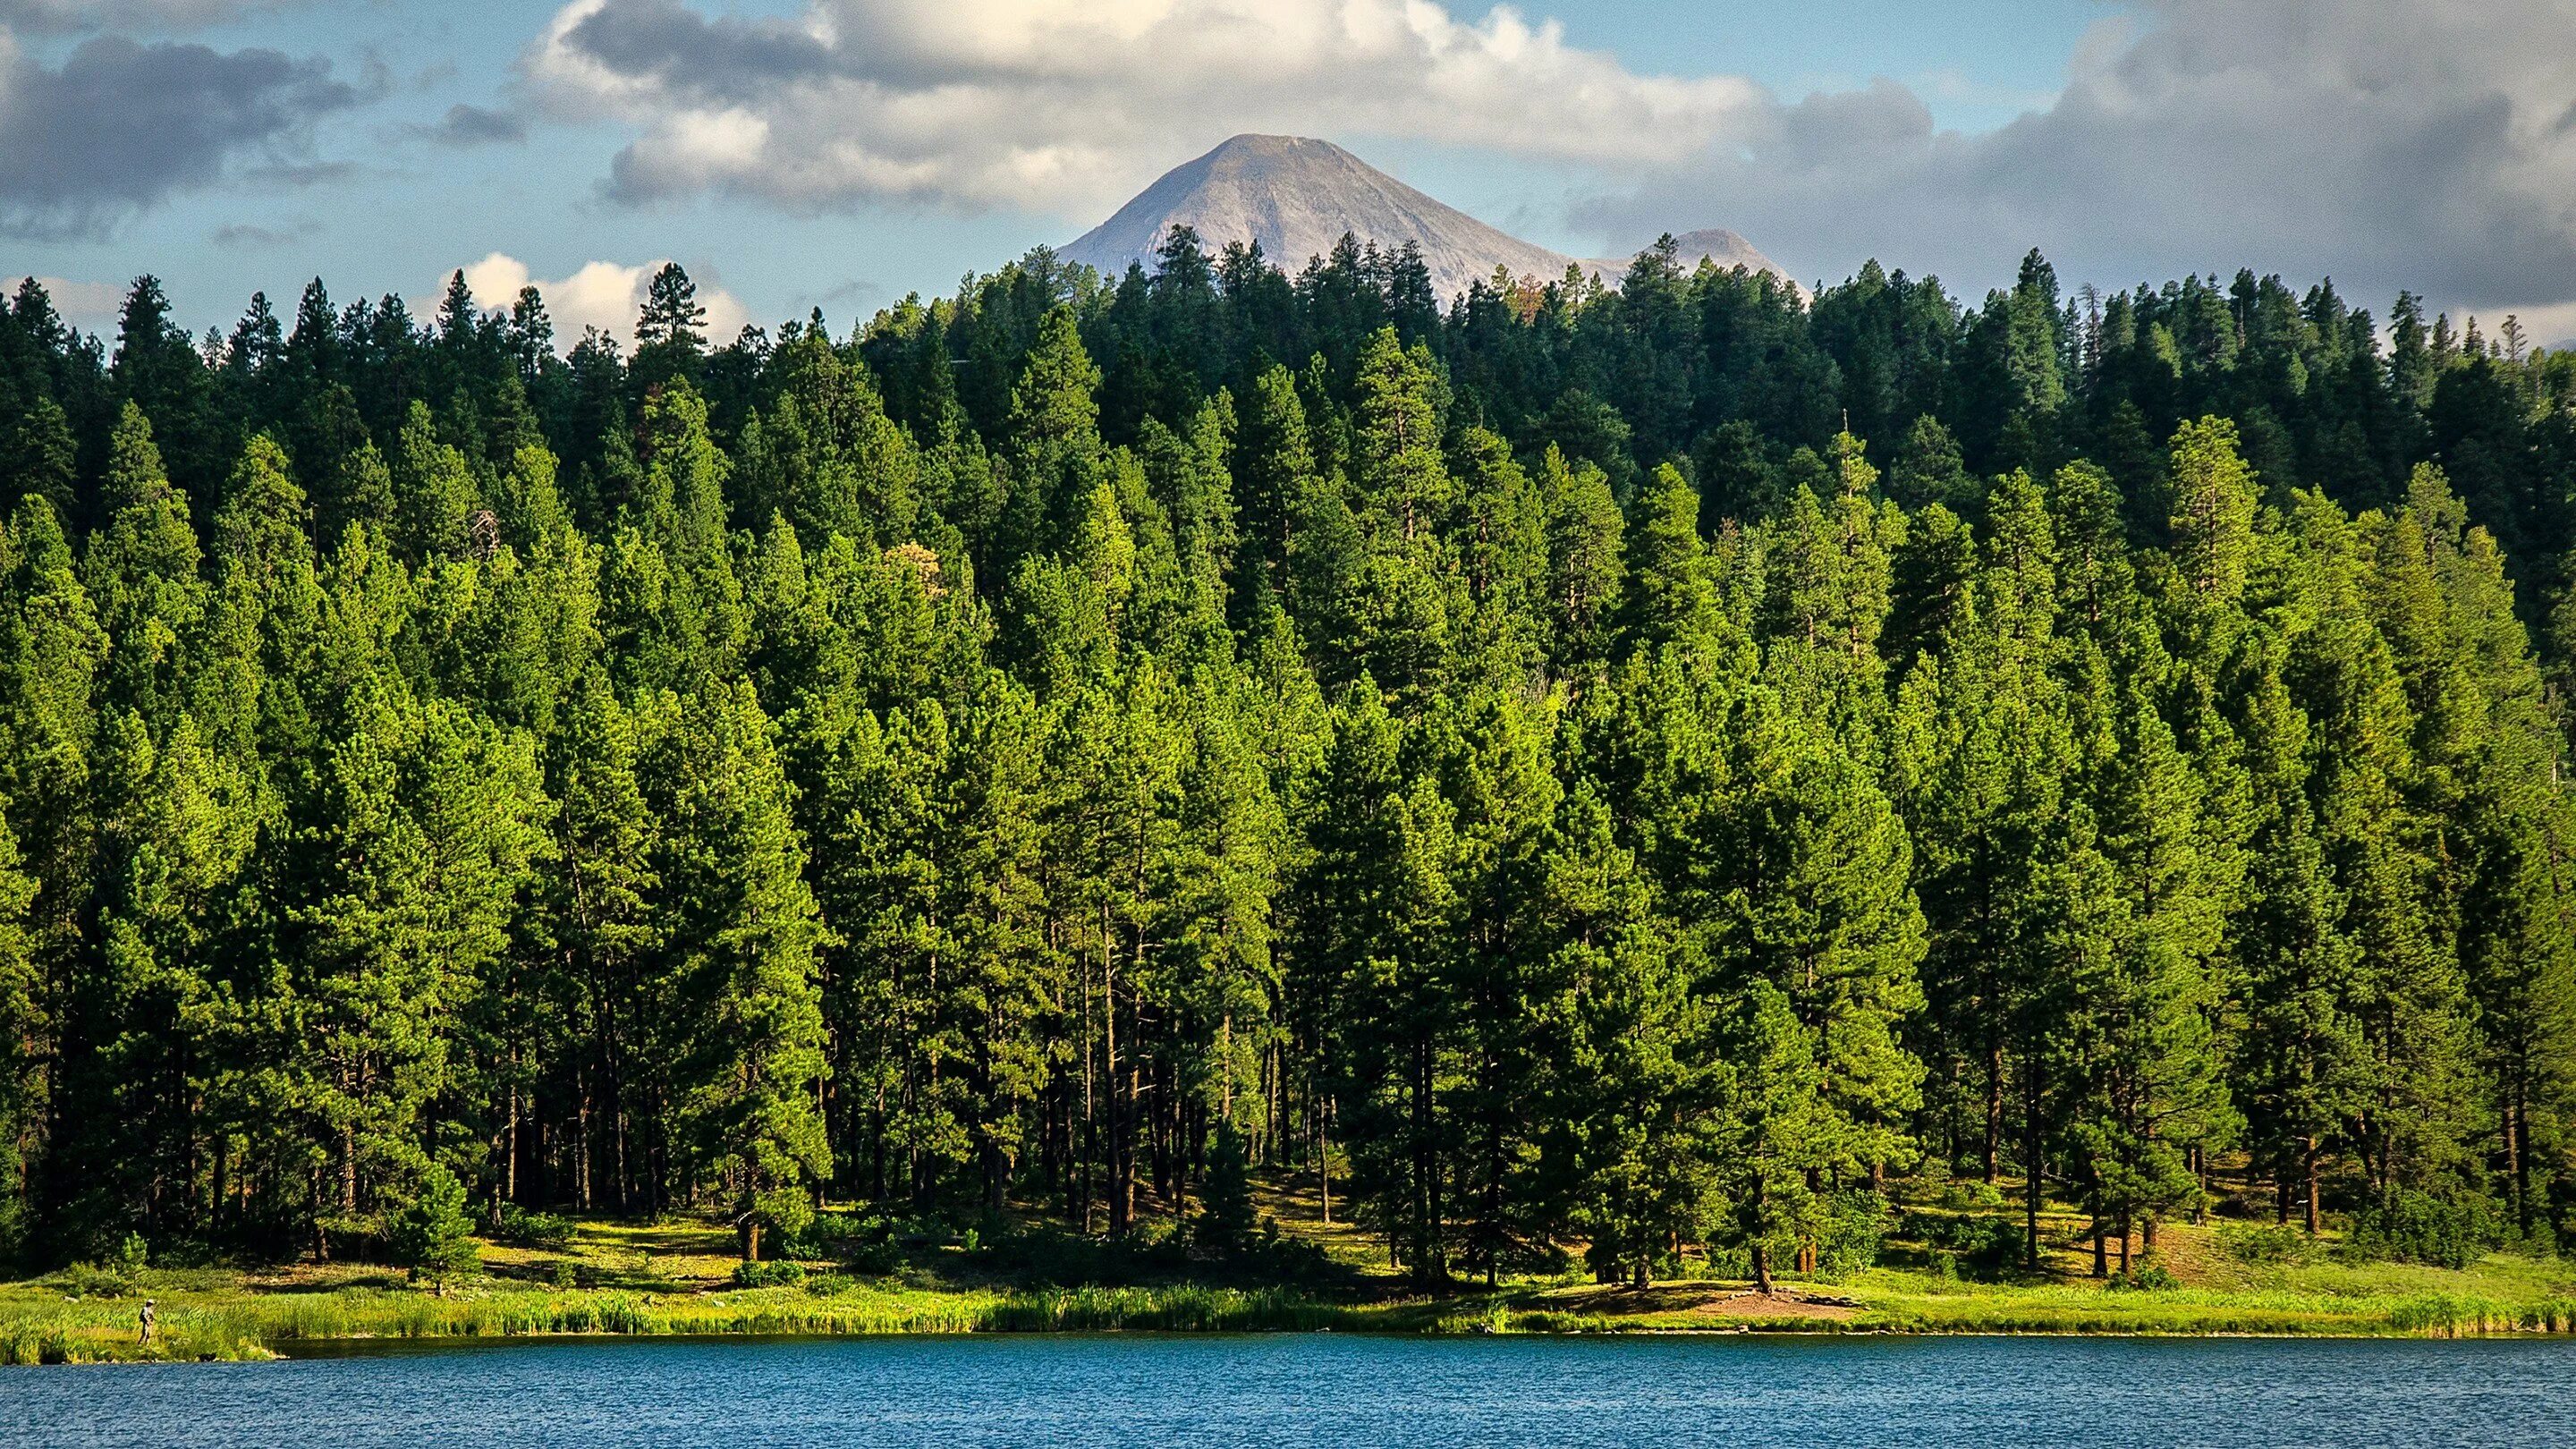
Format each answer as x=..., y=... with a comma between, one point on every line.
x=1324, y=1157
x=2037, y=1181
x=2518, y=1156
x=1994, y=1115
x=2310, y=1146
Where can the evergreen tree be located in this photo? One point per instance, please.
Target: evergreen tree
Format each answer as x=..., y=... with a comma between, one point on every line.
x=738, y=945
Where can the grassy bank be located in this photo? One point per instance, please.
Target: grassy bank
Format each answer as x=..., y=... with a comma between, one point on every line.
x=227, y=1320
x=612, y=1278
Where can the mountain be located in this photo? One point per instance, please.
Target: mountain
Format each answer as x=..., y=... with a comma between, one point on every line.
x=1716, y=244
x=1297, y=197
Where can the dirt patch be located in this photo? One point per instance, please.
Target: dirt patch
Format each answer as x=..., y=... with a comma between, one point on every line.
x=1708, y=1300
x=1776, y=1305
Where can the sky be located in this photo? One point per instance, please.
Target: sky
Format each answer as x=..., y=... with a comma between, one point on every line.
x=795, y=154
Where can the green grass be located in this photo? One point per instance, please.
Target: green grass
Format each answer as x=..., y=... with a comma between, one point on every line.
x=674, y=1278
x=36, y=1327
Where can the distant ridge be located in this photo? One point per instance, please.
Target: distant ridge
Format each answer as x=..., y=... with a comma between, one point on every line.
x=1297, y=196
x=1714, y=244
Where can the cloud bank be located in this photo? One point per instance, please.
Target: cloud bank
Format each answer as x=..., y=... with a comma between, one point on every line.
x=605, y=295
x=58, y=16
x=2388, y=142
x=91, y=306
x=1068, y=105
x=121, y=126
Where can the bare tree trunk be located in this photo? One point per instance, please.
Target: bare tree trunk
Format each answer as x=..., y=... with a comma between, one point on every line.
x=2311, y=1147
x=2037, y=1183
x=1994, y=1114
x=1324, y=1157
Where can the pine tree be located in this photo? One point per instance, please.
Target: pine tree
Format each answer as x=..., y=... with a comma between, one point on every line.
x=23, y=1026
x=739, y=943
x=1635, y=1087
x=431, y=1235
x=1775, y=1133
x=2213, y=508
x=141, y=571
x=1054, y=437
x=598, y=912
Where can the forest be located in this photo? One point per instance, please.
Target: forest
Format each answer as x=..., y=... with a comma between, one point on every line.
x=1623, y=775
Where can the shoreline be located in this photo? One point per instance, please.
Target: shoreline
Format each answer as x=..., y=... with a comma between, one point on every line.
x=242, y=1327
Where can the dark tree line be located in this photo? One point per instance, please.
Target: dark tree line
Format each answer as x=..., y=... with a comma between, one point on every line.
x=1632, y=770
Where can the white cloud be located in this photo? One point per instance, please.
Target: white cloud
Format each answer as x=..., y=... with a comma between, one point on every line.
x=605, y=295
x=1068, y=105
x=2388, y=143
x=90, y=306
x=73, y=15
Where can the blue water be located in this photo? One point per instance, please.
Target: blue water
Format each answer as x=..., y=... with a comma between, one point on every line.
x=1284, y=1390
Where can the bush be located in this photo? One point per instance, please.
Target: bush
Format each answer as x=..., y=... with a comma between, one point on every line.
x=1224, y=1223
x=1969, y=1194
x=1980, y=1247
x=872, y=1259
x=2272, y=1243
x=1853, y=1227
x=773, y=1273
x=2417, y=1227
x=515, y=1224
x=828, y=1285
x=788, y=1212
x=2146, y=1278
x=432, y=1237
x=832, y=1235
x=89, y=1280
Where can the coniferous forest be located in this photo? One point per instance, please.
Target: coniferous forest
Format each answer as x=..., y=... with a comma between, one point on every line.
x=1615, y=772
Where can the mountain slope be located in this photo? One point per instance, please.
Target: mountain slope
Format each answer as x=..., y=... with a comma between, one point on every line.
x=1297, y=197
x=1718, y=245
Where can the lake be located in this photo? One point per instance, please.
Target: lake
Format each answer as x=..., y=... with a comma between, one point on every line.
x=1282, y=1390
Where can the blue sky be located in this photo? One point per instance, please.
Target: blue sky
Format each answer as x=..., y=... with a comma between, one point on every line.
x=842, y=153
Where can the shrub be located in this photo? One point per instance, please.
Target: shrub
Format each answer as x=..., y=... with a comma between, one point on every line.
x=2146, y=1278
x=432, y=1237
x=2417, y=1227
x=2271, y=1243
x=774, y=1273
x=831, y=1235
x=872, y=1259
x=1848, y=1237
x=787, y=1211
x=1224, y=1223
x=1980, y=1247
x=827, y=1285
x=89, y=1280
x=1969, y=1194
x=515, y=1224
